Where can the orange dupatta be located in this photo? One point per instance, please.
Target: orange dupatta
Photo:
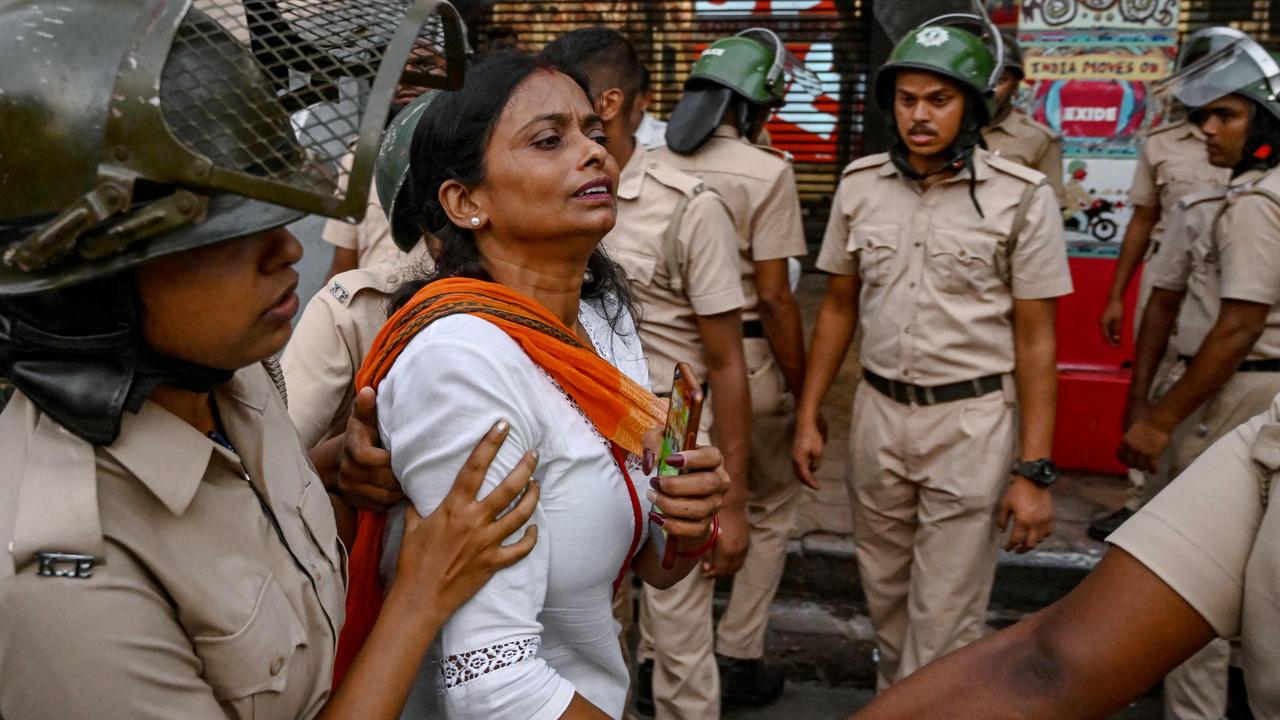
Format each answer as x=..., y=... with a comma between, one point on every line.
x=621, y=409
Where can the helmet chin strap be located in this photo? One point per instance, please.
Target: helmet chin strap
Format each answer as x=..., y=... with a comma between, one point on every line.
x=956, y=157
x=80, y=356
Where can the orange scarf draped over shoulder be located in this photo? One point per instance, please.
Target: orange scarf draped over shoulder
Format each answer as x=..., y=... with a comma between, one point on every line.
x=621, y=409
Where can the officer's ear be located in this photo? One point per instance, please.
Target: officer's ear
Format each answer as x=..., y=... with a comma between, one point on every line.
x=609, y=103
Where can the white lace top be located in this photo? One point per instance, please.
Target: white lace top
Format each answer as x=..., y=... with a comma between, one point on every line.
x=543, y=629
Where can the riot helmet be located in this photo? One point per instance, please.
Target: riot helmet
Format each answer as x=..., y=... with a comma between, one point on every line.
x=136, y=129
x=392, y=170
x=748, y=72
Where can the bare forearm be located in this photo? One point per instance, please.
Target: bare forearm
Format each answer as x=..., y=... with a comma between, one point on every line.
x=1133, y=248
x=1036, y=375
x=1153, y=340
x=731, y=406
x=832, y=335
x=1217, y=360
x=785, y=333
x=379, y=680
x=647, y=564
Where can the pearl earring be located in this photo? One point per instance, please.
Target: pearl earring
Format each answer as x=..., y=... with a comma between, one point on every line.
x=475, y=222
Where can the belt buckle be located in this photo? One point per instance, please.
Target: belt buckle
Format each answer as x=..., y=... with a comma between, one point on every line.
x=912, y=398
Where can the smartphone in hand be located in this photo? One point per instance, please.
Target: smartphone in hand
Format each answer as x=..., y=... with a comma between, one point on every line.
x=683, y=417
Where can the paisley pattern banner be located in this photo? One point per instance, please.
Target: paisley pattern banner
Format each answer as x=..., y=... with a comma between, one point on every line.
x=1098, y=14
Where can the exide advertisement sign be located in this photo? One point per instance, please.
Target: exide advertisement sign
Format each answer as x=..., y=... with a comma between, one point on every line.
x=1092, y=112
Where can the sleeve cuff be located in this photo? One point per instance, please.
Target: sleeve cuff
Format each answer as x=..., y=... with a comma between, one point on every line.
x=718, y=302
x=1042, y=290
x=1186, y=568
x=1257, y=294
x=836, y=267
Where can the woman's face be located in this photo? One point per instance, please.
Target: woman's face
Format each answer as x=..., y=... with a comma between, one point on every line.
x=547, y=173
x=223, y=306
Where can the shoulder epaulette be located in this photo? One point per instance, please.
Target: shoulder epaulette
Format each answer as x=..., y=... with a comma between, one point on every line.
x=1190, y=200
x=677, y=180
x=776, y=152
x=1039, y=127
x=344, y=286
x=1267, y=186
x=866, y=163
x=1009, y=167
x=1180, y=125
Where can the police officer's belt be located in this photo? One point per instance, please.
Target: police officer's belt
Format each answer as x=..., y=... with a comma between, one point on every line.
x=908, y=394
x=753, y=329
x=1272, y=365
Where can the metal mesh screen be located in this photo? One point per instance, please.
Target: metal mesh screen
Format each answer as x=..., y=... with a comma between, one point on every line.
x=280, y=90
x=821, y=124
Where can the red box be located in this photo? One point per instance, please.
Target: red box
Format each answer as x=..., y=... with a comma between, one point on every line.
x=1093, y=379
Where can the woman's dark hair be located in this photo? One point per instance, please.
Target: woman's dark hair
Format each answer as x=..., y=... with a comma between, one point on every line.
x=449, y=143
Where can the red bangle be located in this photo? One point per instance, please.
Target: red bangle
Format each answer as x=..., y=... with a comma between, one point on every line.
x=710, y=543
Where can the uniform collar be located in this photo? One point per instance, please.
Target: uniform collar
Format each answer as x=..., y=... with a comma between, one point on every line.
x=169, y=456
x=1006, y=123
x=632, y=177
x=726, y=131
x=980, y=169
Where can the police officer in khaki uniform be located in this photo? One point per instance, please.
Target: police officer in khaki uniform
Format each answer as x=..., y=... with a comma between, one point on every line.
x=170, y=552
x=949, y=260
x=341, y=321
x=732, y=90
x=1172, y=166
x=676, y=241
x=1218, y=262
x=1200, y=560
x=1014, y=136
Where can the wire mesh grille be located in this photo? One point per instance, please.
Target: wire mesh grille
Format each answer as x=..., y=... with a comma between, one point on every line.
x=279, y=89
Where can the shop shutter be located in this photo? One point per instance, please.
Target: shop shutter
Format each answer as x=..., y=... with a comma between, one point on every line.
x=1259, y=18
x=822, y=127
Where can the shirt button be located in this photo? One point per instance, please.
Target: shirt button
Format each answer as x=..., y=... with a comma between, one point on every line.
x=912, y=285
x=277, y=665
x=917, y=243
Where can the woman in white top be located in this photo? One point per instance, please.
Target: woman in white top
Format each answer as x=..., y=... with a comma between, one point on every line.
x=511, y=174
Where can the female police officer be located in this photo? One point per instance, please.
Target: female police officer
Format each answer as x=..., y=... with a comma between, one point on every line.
x=171, y=552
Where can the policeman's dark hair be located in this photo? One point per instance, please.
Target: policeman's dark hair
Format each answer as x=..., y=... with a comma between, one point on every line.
x=450, y=143
x=1262, y=147
x=646, y=80
x=605, y=57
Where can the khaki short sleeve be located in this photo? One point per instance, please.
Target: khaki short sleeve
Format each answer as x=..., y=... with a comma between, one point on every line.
x=1197, y=535
x=1040, y=267
x=1051, y=165
x=1170, y=268
x=317, y=370
x=1249, y=250
x=337, y=232
x=710, y=263
x=1143, y=191
x=777, y=230
x=110, y=645
x=834, y=256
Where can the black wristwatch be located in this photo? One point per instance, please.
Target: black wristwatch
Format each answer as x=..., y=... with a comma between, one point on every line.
x=1042, y=472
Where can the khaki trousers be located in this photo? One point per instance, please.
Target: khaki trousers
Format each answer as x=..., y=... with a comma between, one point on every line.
x=925, y=483
x=1197, y=689
x=676, y=628
x=1167, y=373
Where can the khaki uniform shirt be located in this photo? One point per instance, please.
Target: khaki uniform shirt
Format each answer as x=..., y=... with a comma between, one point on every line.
x=332, y=337
x=218, y=582
x=371, y=237
x=1030, y=144
x=1173, y=164
x=937, y=280
x=1188, y=262
x=759, y=188
x=1210, y=538
x=649, y=194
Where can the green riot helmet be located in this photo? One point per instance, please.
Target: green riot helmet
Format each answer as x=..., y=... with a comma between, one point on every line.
x=749, y=72
x=138, y=128
x=1013, y=60
x=949, y=51
x=392, y=170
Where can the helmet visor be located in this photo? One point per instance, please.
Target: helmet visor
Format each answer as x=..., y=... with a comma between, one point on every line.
x=1233, y=68
x=265, y=99
x=784, y=62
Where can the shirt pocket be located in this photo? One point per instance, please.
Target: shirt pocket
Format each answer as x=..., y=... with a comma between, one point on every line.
x=964, y=263
x=640, y=268
x=875, y=247
x=256, y=658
